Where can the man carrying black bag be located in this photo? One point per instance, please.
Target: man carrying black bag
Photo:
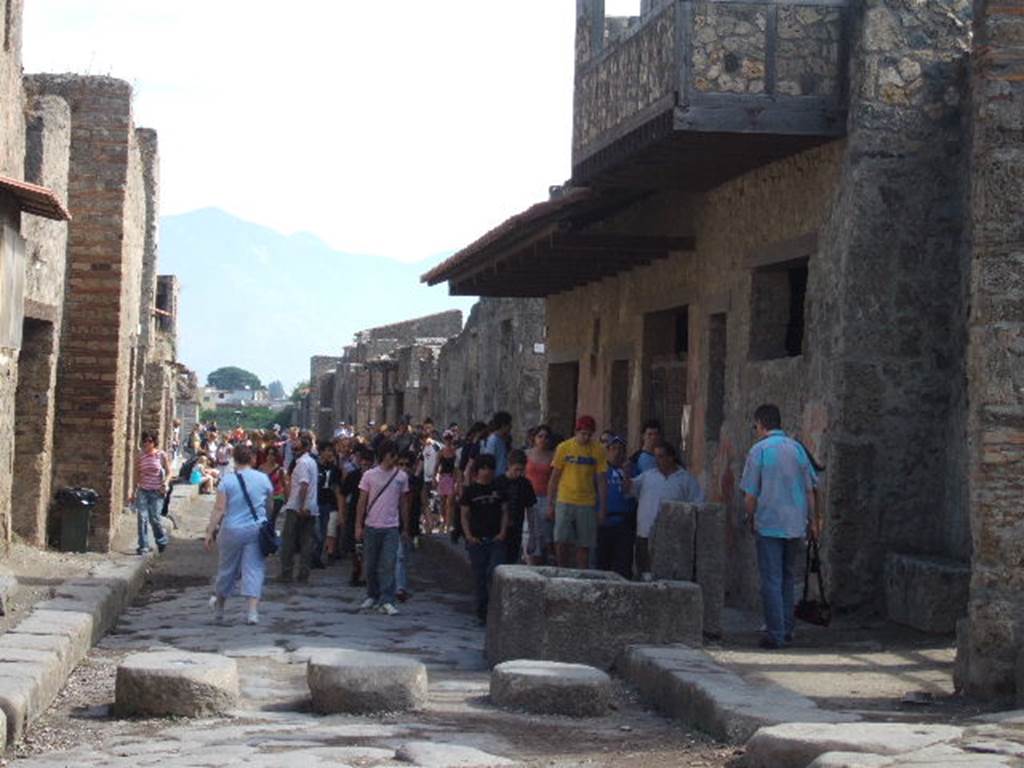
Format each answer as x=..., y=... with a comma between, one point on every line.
x=779, y=482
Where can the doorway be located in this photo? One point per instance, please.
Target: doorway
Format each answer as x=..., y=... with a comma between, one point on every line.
x=666, y=348
x=563, y=394
x=33, y=431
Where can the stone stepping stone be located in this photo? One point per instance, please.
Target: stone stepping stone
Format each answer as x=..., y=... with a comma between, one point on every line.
x=357, y=682
x=797, y=745
x=164, y=683
x=428, y=754
x=551, y=688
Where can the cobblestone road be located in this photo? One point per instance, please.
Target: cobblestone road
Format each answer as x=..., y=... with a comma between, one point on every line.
x=274, y=725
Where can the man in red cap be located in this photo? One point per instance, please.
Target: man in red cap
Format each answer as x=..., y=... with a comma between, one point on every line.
x=577, y=494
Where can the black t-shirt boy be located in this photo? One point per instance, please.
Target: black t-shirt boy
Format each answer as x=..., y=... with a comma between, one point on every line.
x=485, y=504
x=520, y=496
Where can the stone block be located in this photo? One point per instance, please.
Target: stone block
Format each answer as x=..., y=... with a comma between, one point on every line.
x=15, y=703
x=8, y=586
x=796, y=745
x=688, y=544
x=46, y=668
x=851, y=760
x=551, y=688
x=585, y=617
x=927, y=593
x=687, y=684
x=357, y=682
x=432, y=754
x=167, y=683
x=60, y=645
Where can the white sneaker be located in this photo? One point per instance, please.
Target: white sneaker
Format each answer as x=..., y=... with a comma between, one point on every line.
x=218, y=609
x=253, y=617
x=367, y=604
x=389, y=610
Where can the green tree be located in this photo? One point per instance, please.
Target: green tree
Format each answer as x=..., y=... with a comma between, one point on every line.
x=276, y=390
x=231, y=377
x=300, y=391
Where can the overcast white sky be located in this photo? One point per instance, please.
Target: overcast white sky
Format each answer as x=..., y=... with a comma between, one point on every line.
x=401, y=128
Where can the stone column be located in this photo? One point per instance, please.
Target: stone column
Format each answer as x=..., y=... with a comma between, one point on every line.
x=992, y=636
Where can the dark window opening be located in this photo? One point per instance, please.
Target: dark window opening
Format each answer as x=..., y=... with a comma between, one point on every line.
x=717, y=356
x=778, y=310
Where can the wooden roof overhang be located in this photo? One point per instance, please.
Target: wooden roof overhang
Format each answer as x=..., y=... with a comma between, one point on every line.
x=547, y=249
x=31, y=198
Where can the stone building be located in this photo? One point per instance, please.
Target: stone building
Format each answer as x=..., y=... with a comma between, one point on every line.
x=770, y=203
x=76, y=299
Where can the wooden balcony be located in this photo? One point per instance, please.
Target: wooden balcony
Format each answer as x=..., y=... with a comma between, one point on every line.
x=694, y=92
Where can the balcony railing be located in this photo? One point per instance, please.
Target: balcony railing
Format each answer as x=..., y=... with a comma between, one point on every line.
x=716, y=66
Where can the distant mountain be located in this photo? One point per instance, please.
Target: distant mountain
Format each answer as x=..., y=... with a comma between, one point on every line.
x=267, y=302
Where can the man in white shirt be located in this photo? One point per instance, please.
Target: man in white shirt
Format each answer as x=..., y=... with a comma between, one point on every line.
x=300, y=511
x=667, y=481
x=428, y=466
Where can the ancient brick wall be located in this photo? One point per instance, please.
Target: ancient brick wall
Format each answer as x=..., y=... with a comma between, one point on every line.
x=99, y=371
x=992, y=638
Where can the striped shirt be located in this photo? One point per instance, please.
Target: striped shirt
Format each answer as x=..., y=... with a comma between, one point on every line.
x=151, y=471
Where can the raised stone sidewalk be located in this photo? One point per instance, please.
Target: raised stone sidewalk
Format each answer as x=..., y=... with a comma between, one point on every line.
x=38, y=655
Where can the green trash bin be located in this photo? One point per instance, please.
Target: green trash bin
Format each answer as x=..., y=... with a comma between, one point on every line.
x=76, y=506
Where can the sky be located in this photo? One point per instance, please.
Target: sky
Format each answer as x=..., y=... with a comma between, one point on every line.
x=403, y=129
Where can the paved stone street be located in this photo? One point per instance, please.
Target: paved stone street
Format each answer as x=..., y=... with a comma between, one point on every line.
x=274, y=725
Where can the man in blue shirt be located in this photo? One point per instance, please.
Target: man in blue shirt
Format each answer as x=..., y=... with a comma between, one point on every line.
x=778, y=482
x=497, y=442
x=615, y=536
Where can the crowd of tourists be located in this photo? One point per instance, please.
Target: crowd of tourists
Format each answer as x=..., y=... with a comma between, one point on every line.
x=584, y=501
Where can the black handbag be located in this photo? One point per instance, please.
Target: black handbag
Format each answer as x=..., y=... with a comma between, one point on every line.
x=814, y=611
x=269, y=542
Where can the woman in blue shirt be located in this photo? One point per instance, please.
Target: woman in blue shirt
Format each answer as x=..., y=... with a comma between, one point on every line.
x=235, y=527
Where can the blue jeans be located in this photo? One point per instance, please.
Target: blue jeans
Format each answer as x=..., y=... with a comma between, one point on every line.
x=484, y=558
x=147, y=508
x=380, y=551
x=402, y=565
x=776, y=562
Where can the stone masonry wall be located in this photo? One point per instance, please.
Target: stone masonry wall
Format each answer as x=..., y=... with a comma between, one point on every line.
x=131, y=392
x=101, y=309
x=492, y=366
x=48, y=146
x=442, y=325
x=9, y=217
x=12, y=96
x=992, y=639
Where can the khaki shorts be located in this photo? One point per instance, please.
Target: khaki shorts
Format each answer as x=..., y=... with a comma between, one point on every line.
x=575, y=524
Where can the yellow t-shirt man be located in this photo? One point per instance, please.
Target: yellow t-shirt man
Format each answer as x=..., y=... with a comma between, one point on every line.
x=579, y=465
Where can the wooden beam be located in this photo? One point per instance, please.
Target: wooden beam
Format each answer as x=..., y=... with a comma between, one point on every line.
x=629, y=243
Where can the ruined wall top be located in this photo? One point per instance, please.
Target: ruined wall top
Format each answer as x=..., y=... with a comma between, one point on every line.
x=440, y=325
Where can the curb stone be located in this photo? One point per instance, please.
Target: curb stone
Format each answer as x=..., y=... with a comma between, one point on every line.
x=39, y=654
x=687, y=684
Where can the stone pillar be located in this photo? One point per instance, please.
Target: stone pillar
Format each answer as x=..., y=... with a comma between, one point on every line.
x=48, y=142
x=994, y=633
x=892, y=367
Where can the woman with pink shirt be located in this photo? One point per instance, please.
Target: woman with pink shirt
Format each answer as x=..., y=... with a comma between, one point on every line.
x=152, y=470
